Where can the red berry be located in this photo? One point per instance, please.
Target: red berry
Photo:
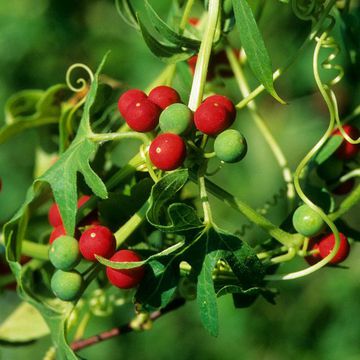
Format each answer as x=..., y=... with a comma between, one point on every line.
x=344, y=187
x=54, y=215
x=193, y=21
x=128, y=98
x=226, y=102
x=57, y=232
x=167, y=151
x=125, y=278
x=313, y=245
x=192, y=63
x=163, y=96
x=348, y=151
x=143, y=116
x=97, y=240
x=327, y=243
x=212, y=118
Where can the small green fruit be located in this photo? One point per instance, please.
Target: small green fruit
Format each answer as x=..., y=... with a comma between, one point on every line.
x=307, y=222
x=176, y=118
x=67, y=286
x=230, y=146
x=64, y=253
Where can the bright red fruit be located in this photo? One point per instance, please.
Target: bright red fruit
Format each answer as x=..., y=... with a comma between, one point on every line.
x=348, y=151
x=167, y=151
x=163, y=96
x=143, y=116
x=82, y=200
x=54, y=215
x=57, y=232
x=226, y=102
x=313, y=245
x=128, y=98
x=326, y=244
x=97, y=240
x=125, y=278
x=212, y=118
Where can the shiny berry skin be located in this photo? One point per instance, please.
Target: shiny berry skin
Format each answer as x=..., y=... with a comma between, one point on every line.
x=67, y=285
x=230, y=146
x=348, y=151
x=54, y=216
x=313, y=246
x=307, y=222
x=128, y=98
x=164, y=96
x=167, y=151
x=327, y=243
x=64, y=253
x=142, y=116
x=97, y=240
x=125, y=278
x=176, y=118
x=224, y=101
x=57, y=232
x=212, y=118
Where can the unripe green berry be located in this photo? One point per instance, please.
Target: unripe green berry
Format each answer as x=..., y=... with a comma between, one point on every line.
x=307, y=222
x=176, y=118
x=230, y=146
x=64, y=253
x=67, y=285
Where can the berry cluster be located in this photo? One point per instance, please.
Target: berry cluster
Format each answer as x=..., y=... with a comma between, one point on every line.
x=66, y=252
x=176, y=121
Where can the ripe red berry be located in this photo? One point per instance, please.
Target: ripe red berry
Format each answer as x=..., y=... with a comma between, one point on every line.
x=348, y=151
x=82, y=200
x=163, y=96
x=226, y=102
x=212, y=118
x=97, y=240
x=313, y=246
x=57, y=232
x=125, y=278
x=54, y=215
x=327, y=243
x=193, y=21
x=143, y=116
x=167, y=151
x=128, y=98
x=344, y=187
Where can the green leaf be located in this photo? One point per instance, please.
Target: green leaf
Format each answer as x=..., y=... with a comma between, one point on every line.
x=170, y=35
x=254, y=47
x=127, y=12
x=167, y=53
x=23, y=325
x=331, y=145
x=131, y=265
x=181, y=217
x=33, y=108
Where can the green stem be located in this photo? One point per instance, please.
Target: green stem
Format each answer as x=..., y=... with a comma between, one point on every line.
x=186, y=15
x=119, y=136
x=347, y=204
x=316, y=30
x=260, y=123
x=205, y=201
x=282, y=236
x=131, y=225
x=35, y=250
x=197, y=88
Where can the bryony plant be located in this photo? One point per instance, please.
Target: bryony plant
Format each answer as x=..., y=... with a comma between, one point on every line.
x=132, y=227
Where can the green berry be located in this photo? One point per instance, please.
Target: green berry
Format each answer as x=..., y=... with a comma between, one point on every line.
x=307, y=222
x=66, y=285
x=230, y=146
x=176, y=118
x=64, y=253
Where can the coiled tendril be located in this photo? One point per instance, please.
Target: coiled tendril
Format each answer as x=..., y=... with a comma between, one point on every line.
x=81, y=81
x=307, y=9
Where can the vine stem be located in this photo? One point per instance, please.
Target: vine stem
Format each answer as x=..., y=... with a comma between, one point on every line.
x=317, y=28
x=124, y=329
x=285, y=238
x=131, y=225
x=118, y=136
x=260, y=123
x=346, y=204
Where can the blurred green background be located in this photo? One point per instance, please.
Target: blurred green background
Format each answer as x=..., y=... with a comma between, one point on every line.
x=315, y=317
